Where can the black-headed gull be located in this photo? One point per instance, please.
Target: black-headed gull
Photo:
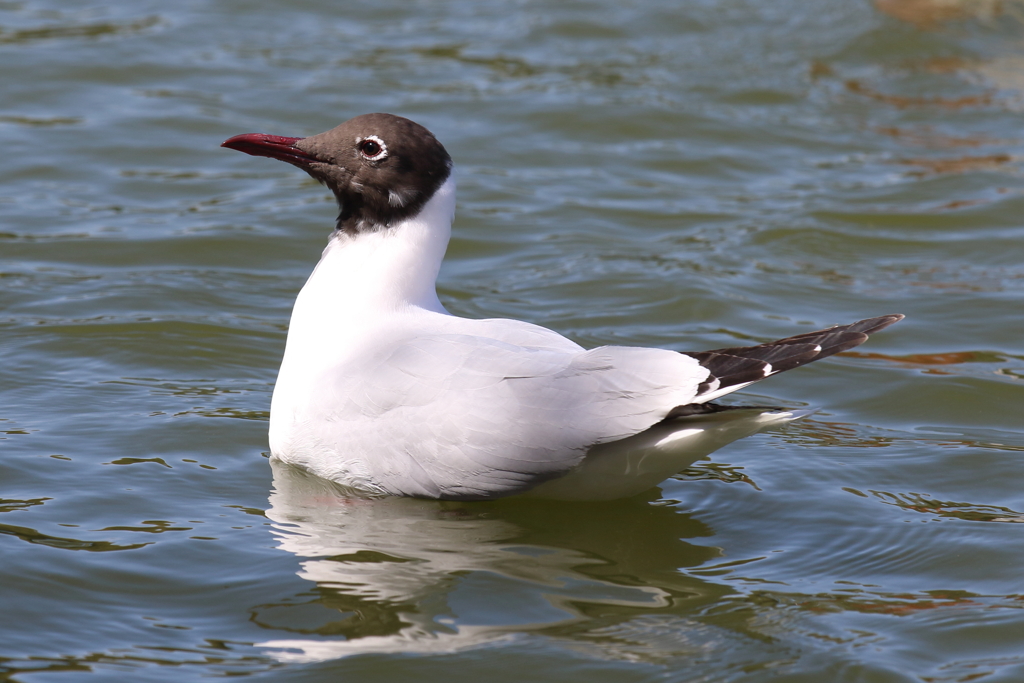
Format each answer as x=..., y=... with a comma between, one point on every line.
x=383, y=391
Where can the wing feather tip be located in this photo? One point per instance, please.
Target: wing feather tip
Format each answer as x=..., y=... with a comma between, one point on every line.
x=733, y=368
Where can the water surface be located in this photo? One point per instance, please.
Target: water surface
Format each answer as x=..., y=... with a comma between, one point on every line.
x=693, y=176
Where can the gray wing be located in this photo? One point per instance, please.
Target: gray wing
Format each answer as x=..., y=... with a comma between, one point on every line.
x=465, y=416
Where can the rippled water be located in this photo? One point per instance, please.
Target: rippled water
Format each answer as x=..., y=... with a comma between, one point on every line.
x=692, y=176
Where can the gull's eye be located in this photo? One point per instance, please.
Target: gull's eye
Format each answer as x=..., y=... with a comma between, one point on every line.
x=373, y=148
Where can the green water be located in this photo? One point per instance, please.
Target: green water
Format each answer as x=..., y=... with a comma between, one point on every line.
x=684, y=175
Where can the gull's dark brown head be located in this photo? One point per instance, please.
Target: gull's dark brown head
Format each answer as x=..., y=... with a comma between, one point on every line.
x=382, y=168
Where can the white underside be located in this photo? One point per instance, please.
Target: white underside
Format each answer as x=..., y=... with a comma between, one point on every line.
x=633, y=465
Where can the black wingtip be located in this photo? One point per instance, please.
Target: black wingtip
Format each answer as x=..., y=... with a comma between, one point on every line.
x=866, y=326
x=746, y=364
x=872, y=325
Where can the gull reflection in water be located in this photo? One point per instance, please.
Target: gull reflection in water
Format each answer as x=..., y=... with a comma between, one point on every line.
x=405, y=575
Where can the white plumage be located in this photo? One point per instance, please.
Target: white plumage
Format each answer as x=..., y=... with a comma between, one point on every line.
x=382, y=389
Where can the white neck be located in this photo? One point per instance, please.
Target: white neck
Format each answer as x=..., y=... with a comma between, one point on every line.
x=364, y=278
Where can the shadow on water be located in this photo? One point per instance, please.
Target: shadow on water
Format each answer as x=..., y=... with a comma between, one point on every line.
x=402, y=575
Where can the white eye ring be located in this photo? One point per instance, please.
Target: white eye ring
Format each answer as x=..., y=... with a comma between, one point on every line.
x=372, y=148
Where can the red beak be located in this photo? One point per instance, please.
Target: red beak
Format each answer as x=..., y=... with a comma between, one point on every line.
x=273, y=146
